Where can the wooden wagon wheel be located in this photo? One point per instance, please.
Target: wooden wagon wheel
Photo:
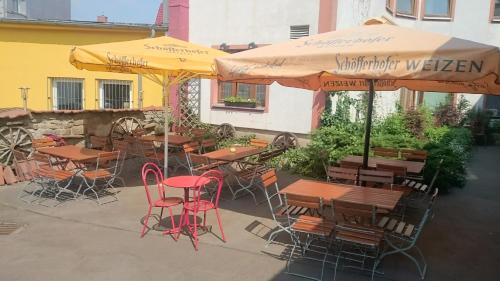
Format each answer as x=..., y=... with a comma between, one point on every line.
x=285, y=141
x=225, y=131
x=14, y=138
x=123, y=127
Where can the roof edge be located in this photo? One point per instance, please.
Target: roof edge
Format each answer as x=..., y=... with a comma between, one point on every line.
x=85, y=24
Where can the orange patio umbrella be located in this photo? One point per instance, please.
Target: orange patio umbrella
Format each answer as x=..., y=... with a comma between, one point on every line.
x=375, y=56
x=165, y=60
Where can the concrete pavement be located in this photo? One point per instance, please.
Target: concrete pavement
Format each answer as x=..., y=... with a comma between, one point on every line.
x=79, y=240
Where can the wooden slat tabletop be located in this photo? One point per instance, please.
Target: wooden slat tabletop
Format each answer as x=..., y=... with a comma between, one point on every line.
x=413, y=167
x=172, y=139
x=239, y=153
x=381, y=198
x=71, y=152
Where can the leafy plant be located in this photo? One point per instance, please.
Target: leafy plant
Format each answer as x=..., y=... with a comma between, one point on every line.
x=447, y=114
x=239, y=99
x=454, y=146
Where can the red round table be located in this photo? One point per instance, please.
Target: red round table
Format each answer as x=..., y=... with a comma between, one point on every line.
x=186, y=182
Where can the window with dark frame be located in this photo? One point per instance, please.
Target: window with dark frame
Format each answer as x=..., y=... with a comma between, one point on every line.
x=67, y=94
x=253, y=92
x=437, y=8
x=115, y=94
x=496, y=10
x=405, y=8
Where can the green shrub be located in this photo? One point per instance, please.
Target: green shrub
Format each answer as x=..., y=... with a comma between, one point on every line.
x=339, y=137
x=454, y=146
x=243, y=140
x=328, y=145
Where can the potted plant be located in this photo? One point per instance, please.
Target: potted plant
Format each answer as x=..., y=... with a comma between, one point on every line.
x=240, y=102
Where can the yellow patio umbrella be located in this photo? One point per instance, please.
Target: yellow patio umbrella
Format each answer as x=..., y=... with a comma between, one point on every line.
x=165, y=60
x=375, y=56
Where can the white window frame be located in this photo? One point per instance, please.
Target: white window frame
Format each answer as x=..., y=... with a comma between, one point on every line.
x=54, y=81
x=101, y=82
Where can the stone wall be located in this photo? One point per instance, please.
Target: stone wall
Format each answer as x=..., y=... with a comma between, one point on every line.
x=76, y=127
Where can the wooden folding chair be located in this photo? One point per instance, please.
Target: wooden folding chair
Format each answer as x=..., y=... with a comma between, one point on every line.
x=342, y=175
x=277, y=205
x=97, y=142
x=208, y=145
x=313, y=235
x=401, y=237
x=386, y=152
x=414, y=155
x=358, y=238
x=375, y=178
x=350, y=165
x=399, y=171
x=42, y=142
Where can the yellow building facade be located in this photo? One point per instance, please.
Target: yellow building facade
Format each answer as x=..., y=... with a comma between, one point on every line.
x=35, y=55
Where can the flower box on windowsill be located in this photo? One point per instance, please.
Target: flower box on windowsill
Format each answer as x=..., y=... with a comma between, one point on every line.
x=240, y=104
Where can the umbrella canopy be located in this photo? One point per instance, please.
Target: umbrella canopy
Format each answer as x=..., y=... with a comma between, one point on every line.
x=395, y=56
x=375, y=56
x=165, y=56
x=174, y=60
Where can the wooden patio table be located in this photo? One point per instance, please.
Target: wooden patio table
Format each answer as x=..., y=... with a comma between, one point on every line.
x=381, y=198
x=239, y=153
x=175, y=140
x=72, y=152
x=412, y=167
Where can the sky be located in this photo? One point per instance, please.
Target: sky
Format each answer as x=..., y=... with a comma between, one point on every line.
x=125, y=11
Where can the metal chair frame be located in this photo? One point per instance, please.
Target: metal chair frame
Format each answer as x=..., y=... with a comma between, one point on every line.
x=197, y=204
x=121, y=146
x=162, y=201
x=276, y=205
x=402, y=243
x=40, y=168
x=308, y=241
x=421, y=190
x=358, y=221
x=109, y=174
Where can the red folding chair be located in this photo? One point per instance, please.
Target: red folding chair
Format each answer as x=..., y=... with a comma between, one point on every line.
x=161, y=201
x=197, y=205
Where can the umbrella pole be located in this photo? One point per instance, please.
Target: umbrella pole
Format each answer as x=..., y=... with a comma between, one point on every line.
x=166, y=88
x=368, y=124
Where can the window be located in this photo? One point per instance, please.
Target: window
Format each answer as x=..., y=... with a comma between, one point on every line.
x=67, y=94
x=115, y=94
x=495, y=10
x=437, y=8
x=405, y=8
x=297, y=31
x=244, y=91
x=15, y=6
x=389, y=5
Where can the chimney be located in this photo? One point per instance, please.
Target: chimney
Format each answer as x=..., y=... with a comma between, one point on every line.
x=102, y=18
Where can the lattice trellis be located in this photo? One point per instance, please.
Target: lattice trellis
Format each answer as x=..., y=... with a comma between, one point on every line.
x=189, y=103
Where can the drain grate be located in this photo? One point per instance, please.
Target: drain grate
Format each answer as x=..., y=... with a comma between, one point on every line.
x=7, y=228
